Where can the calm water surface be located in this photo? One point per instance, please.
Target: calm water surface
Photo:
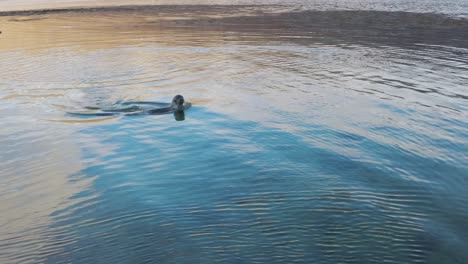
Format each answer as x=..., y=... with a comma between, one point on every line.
x=315, y=136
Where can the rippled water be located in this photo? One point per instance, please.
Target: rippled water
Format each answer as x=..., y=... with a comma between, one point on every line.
x=314, y=136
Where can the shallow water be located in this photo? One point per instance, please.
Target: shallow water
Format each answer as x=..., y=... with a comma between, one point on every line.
x=314, y=136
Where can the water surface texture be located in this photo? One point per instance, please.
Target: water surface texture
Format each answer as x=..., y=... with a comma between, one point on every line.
x=315, y=136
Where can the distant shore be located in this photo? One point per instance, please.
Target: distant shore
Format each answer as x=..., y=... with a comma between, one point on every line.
x=21, y=5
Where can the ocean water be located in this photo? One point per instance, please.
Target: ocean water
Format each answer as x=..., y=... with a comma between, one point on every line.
x=316, y=135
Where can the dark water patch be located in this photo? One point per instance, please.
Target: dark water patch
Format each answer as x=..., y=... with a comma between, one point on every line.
x=400, y=29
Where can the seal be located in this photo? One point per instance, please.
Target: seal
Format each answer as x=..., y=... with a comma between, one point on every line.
x=177, y=107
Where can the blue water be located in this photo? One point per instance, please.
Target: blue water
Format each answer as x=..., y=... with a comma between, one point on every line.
x=310, y=139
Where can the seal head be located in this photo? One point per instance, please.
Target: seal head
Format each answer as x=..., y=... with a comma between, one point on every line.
x=178, y=101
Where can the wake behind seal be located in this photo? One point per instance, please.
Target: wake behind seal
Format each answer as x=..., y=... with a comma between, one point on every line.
x=176, y=107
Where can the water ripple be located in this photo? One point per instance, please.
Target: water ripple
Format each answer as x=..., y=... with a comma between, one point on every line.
x=334, y=136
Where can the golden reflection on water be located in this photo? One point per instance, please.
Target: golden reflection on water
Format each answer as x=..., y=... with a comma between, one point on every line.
x=12, y=96
x=83, y=121
x=77, y=54
x=107, y=28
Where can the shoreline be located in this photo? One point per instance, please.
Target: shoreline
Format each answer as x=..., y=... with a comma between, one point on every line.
x=114, y=8
x=42, y=5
